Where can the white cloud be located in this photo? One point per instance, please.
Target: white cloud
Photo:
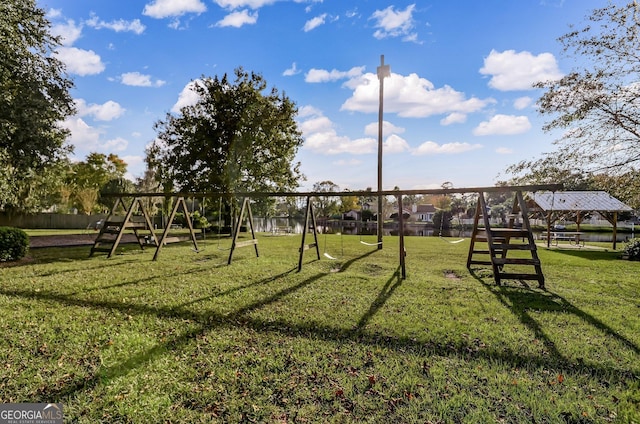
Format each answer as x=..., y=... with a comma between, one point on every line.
x=291, y=71
x=187, y=97
x=307, y=110
x=133, y=160
x=137, y=79
x=135, y=166
x=237, y=19
x=237, y=4
x=86, y=138
x=433, y=148
x=392, y=23
x=117, y=144
x=315, y=22
x=519, y=71
x=321, y=137
x=504, y=151
x=322, y=75
x=409, y=96
x=69, y=32
x=522, y=102
x=54, y=13
x=81, y=62
x=171, y=8
x=387, y=129
x=503, y=125
x=105, y=112
x=395, y=144
x=454, y=118
x=119, y=25
x=83, y=136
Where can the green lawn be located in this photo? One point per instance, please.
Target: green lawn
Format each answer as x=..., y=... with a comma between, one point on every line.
x=189, y=339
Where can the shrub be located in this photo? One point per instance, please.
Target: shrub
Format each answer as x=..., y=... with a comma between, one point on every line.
x=632, y=250
x=14, y=244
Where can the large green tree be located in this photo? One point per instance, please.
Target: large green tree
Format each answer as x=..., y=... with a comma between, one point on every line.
x=237, y=137
x=596, y=107
x=34, y=99
x=88, y=180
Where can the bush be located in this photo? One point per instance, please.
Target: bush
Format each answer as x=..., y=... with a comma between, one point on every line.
x=632, y=250
x=14, y=244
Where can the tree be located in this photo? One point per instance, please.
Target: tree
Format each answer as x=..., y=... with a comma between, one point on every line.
x=97, y=174
x=34, y=99
x=348, y=203
x=597, y=106
x=235, y=138
x=326, y=205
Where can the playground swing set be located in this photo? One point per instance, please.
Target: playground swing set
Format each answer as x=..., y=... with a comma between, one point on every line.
x=486, y=240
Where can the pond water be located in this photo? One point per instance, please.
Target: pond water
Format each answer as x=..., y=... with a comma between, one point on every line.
x=287, y=225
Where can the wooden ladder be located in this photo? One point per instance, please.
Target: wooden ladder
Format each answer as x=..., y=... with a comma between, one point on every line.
x=500, y=242
x=114, y=226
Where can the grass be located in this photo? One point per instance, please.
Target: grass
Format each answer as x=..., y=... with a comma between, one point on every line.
x=189, y=339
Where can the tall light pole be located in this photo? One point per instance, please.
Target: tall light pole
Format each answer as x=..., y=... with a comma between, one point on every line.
x=383, y=71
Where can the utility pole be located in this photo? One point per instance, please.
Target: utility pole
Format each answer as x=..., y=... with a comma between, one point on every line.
x=383, y=71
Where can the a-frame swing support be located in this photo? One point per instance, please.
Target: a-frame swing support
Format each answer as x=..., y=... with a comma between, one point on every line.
x=179, y=202
x=253, y=241
x=309, y=224
x=113, y=229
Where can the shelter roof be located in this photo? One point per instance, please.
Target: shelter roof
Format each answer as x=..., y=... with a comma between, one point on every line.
x=597, y=201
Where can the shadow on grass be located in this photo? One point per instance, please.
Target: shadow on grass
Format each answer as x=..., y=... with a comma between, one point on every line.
x=204, y=322
x=382, y=298
x=592, y=255
x=520, y=302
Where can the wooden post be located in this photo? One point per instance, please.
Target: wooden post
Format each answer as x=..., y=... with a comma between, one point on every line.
x=401, y=248
x=615, y=229
x=383, y=71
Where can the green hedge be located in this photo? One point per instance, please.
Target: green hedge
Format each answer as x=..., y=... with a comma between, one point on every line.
x=14, y=244
x=632, y=250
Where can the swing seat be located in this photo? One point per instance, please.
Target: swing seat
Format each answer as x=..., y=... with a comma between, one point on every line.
x=451, y=241
x=330, y=257
x=370, y=244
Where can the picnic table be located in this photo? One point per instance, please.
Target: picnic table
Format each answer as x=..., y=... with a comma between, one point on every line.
x=573, y=237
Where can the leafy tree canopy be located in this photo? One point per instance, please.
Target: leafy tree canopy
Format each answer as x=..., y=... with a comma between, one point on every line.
x=597, y=106
x=237, y=137
x=34, y=99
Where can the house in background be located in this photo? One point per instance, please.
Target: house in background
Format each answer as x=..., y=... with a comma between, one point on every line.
x=423, y=213
x=352, y=215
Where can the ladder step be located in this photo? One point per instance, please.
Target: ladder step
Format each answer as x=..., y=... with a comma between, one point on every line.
x=475, y=262
x=503, y=246
x=509, y=232
x=482, y=252
x=105, y=240
x=515, y=261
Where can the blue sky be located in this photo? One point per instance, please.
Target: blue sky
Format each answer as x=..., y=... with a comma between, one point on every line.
x=458, y=105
